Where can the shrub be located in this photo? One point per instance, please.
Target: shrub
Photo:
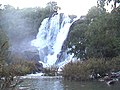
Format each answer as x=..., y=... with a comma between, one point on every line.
x=50, y=71
x=75, y=71
x=91, y=67
x=114, y=64
x=11, y=67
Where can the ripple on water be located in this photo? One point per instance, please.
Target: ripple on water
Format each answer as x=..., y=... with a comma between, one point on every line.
x=55, y=83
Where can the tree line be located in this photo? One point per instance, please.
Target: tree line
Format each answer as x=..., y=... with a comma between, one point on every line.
x=95, y=41
x=97, y=35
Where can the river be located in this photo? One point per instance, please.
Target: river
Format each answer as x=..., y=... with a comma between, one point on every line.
x=56, y=83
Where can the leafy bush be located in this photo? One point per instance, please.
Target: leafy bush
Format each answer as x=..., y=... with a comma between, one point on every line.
x=50, y=71
x=75, y=71
x=9, y=71
x=114, y=64
x=11, y=67
x=92, y=67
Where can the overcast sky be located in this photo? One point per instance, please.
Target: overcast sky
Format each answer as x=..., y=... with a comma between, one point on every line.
x=78, y=7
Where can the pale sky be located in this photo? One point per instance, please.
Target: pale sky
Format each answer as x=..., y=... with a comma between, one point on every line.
x=77, y=7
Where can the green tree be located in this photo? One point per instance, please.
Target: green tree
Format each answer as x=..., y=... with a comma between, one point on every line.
x=101, y=3
x=103, y=38
x=76, y=40
x=94, y=12
x=96, y=36
x=52, y=7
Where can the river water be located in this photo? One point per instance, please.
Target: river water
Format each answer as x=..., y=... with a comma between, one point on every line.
x=56, y=83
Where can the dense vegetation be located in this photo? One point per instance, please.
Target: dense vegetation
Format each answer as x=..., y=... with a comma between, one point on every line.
x=19, y=26
x=98, y=35
x=95, y=40
x=90, y=69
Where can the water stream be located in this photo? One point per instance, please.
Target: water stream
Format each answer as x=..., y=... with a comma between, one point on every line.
x=55, y=83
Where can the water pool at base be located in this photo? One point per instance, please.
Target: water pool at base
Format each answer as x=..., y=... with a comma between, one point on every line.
x=55, y=83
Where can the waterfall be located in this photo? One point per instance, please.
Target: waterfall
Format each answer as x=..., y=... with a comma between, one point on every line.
x=50, y=38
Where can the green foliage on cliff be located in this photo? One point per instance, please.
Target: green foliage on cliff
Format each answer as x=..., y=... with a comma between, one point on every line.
x=98, y=34
x=52, y=6
x=102, y=3
x=95, y=40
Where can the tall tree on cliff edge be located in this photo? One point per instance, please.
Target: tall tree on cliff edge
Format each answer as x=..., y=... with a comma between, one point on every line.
x=101, y=3
x=52, y=7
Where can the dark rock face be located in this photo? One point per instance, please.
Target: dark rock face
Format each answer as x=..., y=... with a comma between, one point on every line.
x=34, y=56
x=61, y=57
x=38, y=67
x=63, y=54
x=61, y=18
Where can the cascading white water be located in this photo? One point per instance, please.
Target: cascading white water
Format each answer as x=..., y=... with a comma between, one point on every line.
x=52, y=33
